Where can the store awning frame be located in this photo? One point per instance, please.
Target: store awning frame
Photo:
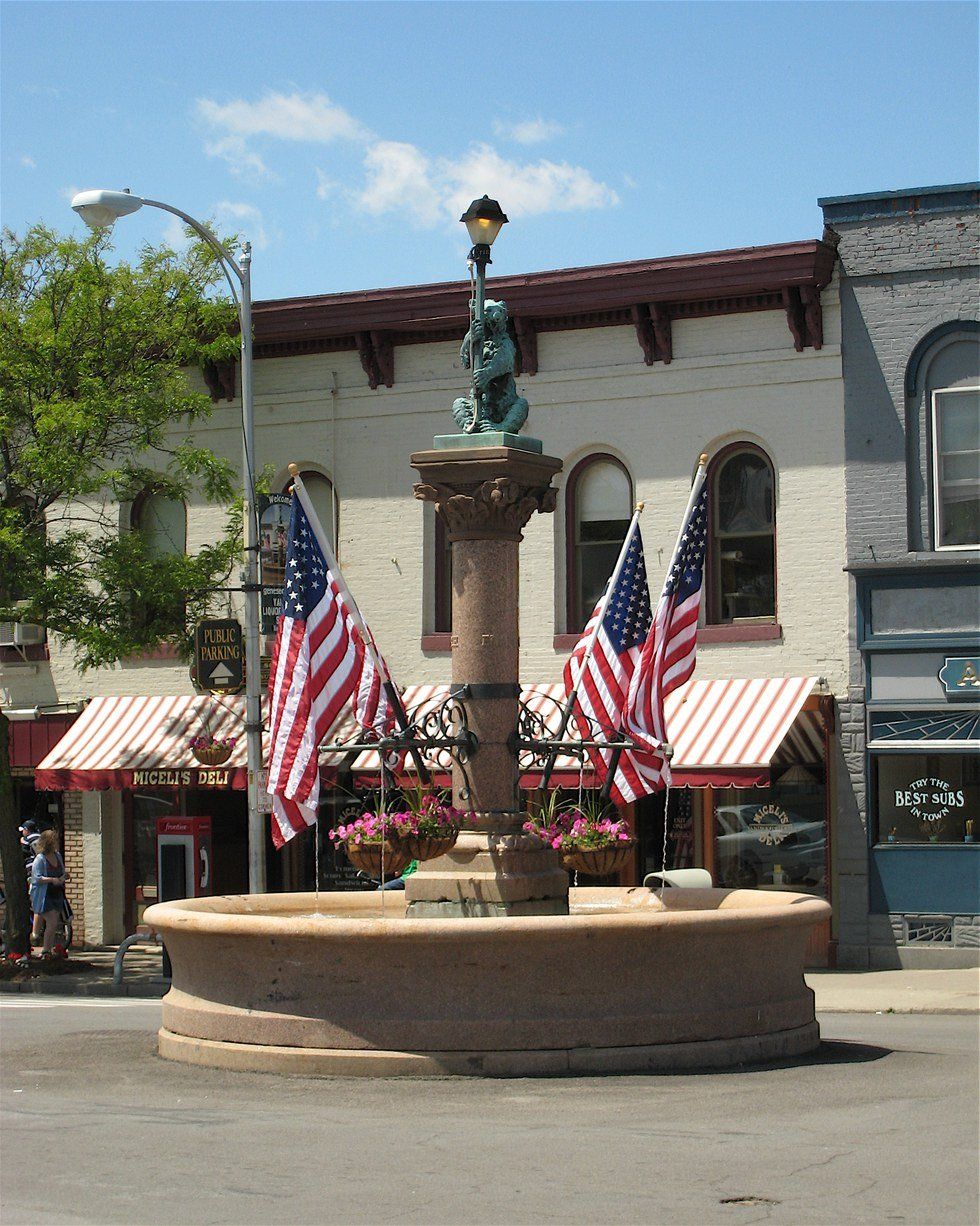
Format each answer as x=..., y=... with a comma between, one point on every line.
x=725, y=733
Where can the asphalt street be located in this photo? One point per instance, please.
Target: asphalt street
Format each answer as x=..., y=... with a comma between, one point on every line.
x=880, y=1126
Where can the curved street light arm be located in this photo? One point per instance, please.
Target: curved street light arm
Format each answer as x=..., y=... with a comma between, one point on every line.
x=225, y=256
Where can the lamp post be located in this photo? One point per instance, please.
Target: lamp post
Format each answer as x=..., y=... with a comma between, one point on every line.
x=483, y=220
x=100, y=209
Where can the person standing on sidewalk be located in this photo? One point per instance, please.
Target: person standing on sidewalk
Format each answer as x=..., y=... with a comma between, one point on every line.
x=48, y=877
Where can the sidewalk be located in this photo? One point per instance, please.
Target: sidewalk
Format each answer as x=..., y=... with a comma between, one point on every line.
x=953, y=991
x=142, y=975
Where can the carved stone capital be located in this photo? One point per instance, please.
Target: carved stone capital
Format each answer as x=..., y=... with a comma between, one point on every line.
x=492, y=510
x=486, y=493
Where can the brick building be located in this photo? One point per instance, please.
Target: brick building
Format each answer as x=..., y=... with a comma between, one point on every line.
x=631, y=371
x=908, y=866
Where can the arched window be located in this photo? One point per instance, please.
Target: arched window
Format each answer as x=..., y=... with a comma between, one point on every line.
x=742, y=581
x=942, y=438
x=598, y=508
x=320, y=490
x=162, y=521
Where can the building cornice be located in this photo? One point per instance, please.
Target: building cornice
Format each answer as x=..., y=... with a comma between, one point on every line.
x=645, y=294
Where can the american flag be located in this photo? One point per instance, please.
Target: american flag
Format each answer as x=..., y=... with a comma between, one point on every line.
x=324, y=657
x=600, y=678
x=668, y=655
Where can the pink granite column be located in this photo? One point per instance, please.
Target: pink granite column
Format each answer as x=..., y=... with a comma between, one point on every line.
x=486, y=495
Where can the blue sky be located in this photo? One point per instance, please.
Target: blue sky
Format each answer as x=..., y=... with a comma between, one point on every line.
x=344, y=139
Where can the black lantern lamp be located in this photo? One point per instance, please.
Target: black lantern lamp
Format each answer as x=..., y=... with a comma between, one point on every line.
x=483, y=220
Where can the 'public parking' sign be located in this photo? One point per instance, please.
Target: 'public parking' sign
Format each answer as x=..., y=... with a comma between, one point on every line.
x=219, y=659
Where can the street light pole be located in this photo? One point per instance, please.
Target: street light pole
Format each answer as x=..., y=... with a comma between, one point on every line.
x=253, y=663
x=99, y=209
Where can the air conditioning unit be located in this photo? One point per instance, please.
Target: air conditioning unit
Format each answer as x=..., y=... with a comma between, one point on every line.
x=26, y=634
x=7, y=634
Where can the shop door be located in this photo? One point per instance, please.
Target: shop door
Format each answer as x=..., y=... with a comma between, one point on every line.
x=228, y=811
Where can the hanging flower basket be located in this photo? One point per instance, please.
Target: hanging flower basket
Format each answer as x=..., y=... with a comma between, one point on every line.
x=366, y=857
x=213, y=754
x=598, y=861
x=429, y=846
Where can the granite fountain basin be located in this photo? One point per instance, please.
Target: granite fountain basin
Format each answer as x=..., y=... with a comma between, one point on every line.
x=292, y=983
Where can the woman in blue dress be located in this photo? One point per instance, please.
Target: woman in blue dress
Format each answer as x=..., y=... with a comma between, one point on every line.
x=48, y=877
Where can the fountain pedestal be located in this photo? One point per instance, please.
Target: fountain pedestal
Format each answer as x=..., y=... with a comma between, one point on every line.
x=485, y=496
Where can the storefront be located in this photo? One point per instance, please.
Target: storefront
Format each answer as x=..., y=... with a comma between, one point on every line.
x=140, y=748
x=923, y=755
x=749, y=801
x=751, y=797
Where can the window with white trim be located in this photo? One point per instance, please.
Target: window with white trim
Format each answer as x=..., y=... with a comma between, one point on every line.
x=956, y=467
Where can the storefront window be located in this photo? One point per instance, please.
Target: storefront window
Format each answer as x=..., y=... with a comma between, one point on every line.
x=773, y=838
x=927, y=798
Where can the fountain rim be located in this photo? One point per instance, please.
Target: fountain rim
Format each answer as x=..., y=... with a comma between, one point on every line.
x=198, y=916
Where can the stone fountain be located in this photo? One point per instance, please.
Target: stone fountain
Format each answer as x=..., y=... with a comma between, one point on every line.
x=488, y=964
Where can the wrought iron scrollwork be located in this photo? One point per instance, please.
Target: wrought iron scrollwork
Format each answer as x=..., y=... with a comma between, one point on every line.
x=543, y=733
x=438, y=730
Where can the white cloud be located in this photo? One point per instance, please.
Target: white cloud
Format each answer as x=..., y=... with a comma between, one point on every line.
x=245, y=219
x=243, y=162
x=28, y=162
x=524, y=189
x=528, y=131
x=400, y=176
x=311, y=118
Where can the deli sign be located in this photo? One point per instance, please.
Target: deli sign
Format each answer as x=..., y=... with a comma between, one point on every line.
x=929, y=799
x=183, y=777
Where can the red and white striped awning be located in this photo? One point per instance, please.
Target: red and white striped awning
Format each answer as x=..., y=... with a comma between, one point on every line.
x=125, y=742
x=145, y=742
x=724, y=733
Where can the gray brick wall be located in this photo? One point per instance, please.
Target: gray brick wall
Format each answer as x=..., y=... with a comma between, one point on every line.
x=908, y=265
x=901, y=279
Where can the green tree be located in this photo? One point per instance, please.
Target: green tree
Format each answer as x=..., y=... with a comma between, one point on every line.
x=96, y=408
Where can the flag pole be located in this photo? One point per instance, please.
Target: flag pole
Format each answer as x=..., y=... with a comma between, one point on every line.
x=397, y=706
x=696, y=487
x=590, y=645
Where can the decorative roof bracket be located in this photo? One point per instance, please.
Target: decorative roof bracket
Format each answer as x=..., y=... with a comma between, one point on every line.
x=652, y=324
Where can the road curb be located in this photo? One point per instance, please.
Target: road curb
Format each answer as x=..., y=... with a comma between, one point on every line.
x=33, y=988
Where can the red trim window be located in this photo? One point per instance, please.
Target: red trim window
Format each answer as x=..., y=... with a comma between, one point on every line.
x=598, y=509
x=742, y=579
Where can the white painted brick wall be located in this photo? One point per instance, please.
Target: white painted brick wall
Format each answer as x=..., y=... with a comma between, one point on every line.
x=732, y=377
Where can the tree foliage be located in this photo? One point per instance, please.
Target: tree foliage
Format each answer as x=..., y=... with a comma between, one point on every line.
x=95, y=408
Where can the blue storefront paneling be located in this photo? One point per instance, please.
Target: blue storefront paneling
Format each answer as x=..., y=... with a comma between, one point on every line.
x=930, y=880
